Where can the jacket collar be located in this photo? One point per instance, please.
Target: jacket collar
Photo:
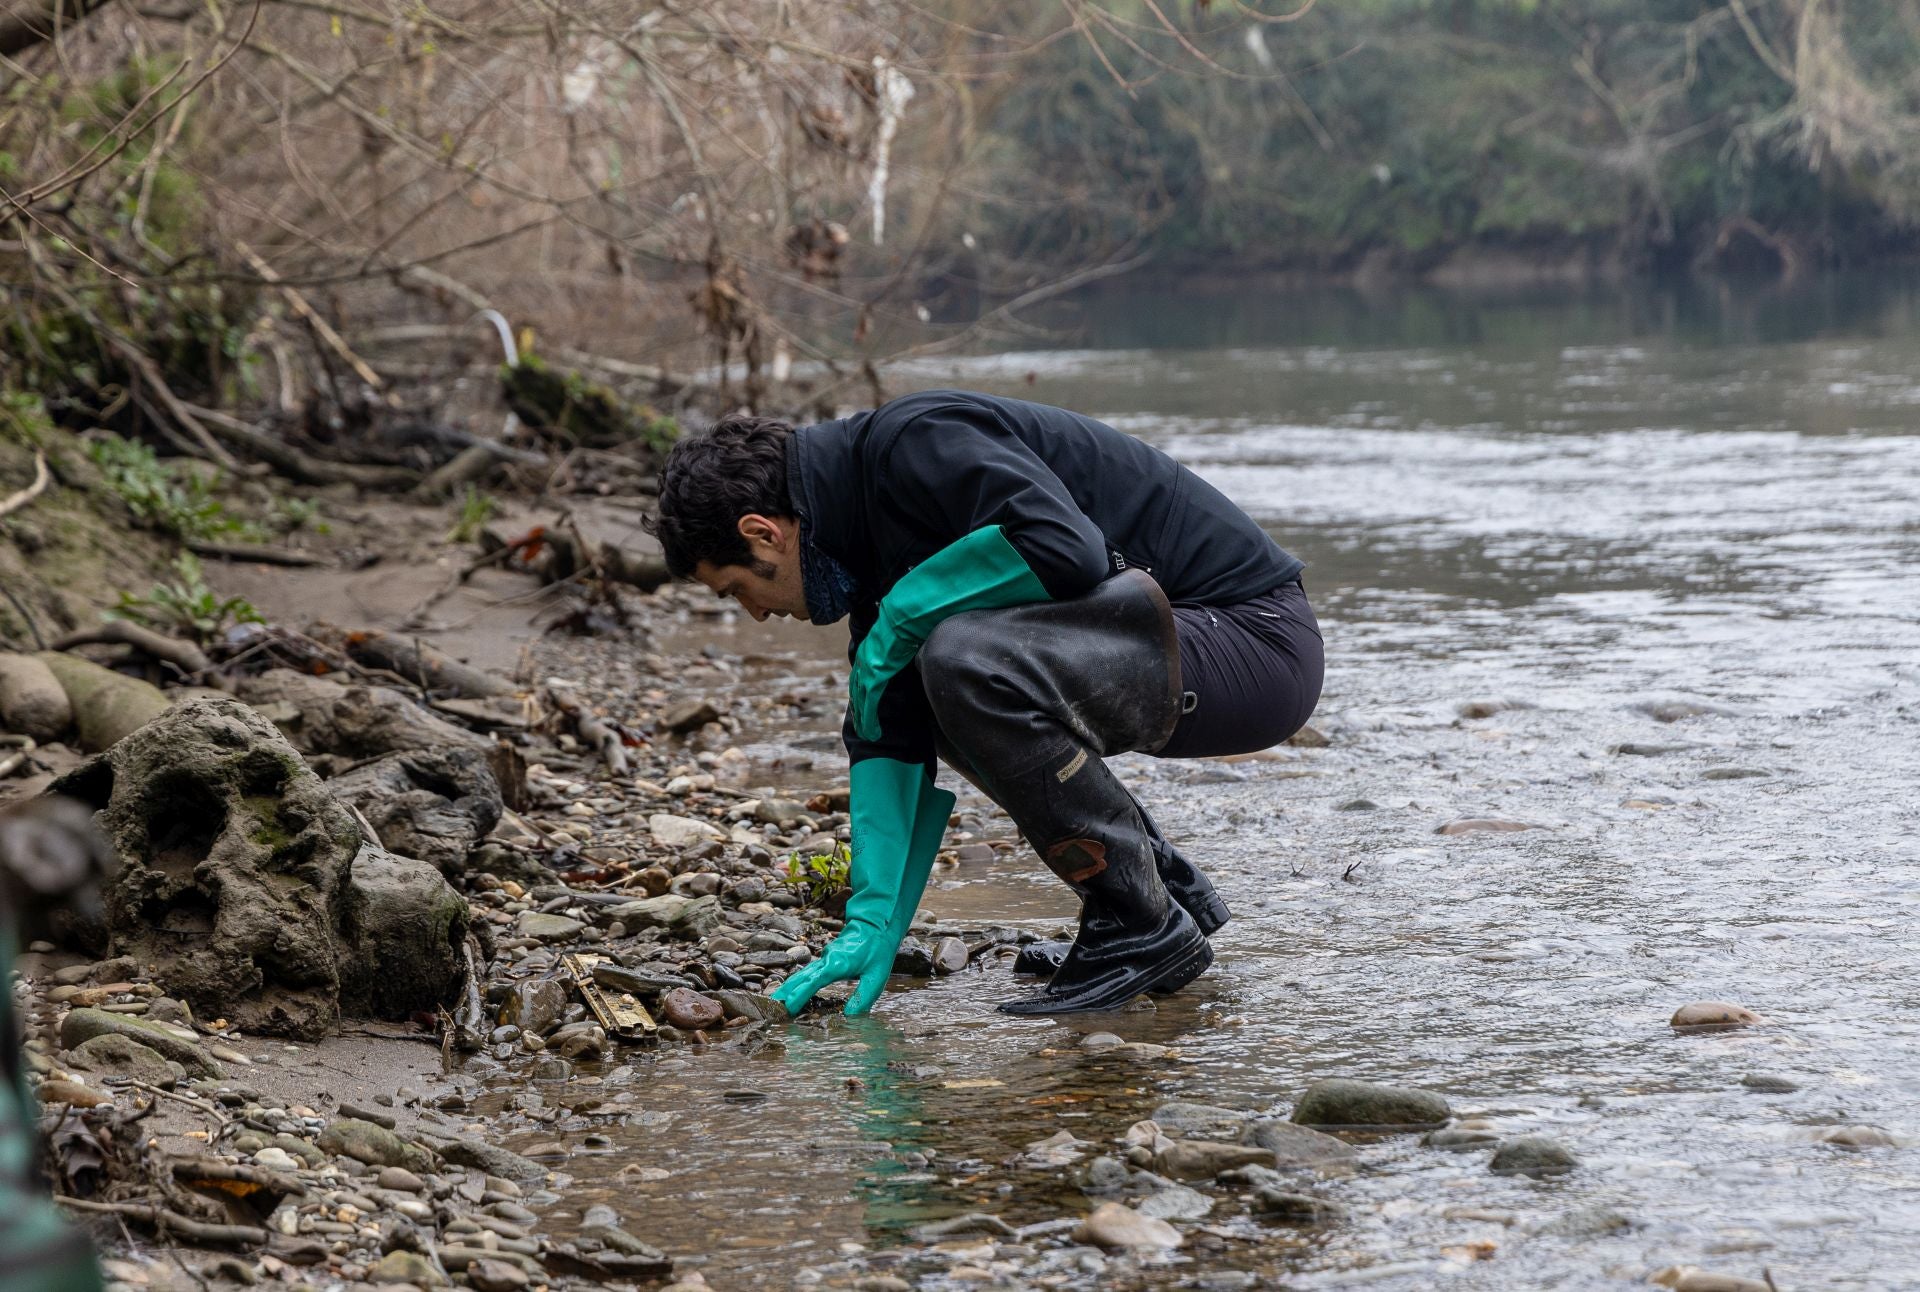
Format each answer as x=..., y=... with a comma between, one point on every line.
x=823, y=478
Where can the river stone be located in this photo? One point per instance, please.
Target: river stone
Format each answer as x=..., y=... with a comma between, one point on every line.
x=234, y=862
x=32, y=701
x=478, y=1155
x=1113, y=1224
x=1343, y=1102
x=1175, y=1202
x=689, y=1010
x=1456, y=1138
x=374, y=1145
x=83, y=1025
x=490, y=1275
x=404, y=929
x=914, y=958
x=1857, y=1137
x=1297, y=1146
x=687, y=917
x=118, y=1053
x=542, y=927
x=406, y=1267
x=534, y=1006
x=1202, y=1159
x=434, y=804
x=670, y=831
x=1679, y=710
x=1684, y=1278
x=1474, y=709
x=1712, y=1015
x=1181, y=1120
x=689, y=714
x=1482, y=825
x=1533, y=1155
x=1764, y=1084
x=751, y=1005
x=636, y=982
x=107, y=706
x=949, y=956
x=1296, y=1208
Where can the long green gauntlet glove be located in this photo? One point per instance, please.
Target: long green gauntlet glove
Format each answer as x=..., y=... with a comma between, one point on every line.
x=982, y=571
x=898, y=821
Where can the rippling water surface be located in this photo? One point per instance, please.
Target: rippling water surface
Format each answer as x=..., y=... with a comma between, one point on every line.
x=1582, y=507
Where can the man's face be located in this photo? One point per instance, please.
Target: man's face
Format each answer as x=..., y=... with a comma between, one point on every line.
x=769, y=583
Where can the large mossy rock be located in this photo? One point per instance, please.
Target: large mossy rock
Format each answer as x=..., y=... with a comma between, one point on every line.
x=236, y=882
x=1370, y=1105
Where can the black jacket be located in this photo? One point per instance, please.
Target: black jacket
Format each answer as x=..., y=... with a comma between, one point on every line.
x=882, y=491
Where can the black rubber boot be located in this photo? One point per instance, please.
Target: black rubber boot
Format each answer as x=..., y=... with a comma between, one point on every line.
x=1030, y=700
x=1185, y=883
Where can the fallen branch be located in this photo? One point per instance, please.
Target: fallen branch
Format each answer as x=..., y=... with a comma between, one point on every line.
x=421, y=665
x=294, y=464
x=185, y=656
x=164, y=1221
x=594, y=731
x=41, y=479
x=255, y=552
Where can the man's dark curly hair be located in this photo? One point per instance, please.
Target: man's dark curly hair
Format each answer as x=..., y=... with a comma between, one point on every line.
x=736, y=468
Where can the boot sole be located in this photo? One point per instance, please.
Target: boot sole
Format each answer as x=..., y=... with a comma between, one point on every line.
x=1169, y=976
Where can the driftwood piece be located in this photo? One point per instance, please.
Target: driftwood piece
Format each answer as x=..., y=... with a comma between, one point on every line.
x=427, y=668
x=183, y=655
x=573, y=553
x=594, y=730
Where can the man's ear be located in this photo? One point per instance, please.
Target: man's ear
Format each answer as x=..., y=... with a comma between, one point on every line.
x=776, y=532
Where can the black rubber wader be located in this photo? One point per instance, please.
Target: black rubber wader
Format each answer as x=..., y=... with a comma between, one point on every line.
x=1030, y=700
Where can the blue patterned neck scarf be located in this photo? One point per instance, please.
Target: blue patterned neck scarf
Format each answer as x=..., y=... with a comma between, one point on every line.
x=828, y=586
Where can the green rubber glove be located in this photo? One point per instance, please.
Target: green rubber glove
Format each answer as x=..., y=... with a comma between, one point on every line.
x=898, y=820
x=982, y=571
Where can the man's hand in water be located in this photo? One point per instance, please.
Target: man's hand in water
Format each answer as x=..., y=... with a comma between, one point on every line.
x=898, y=819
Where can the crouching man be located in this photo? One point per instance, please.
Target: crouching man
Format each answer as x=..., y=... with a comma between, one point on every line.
x=1030, y=592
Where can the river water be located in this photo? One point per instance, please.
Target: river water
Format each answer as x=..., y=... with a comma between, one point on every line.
x=1584, y=507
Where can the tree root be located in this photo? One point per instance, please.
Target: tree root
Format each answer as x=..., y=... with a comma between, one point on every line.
x=164, y=1221
x=41, y=479
x=185, y=656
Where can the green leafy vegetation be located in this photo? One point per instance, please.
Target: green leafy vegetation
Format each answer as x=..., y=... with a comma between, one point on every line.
x=186, y=606
x=163, y=496
x=822, y=877
x=474, y=511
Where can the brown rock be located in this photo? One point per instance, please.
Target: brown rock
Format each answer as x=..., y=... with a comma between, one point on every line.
x=655, y=879
x=1482, y=825
x=1113, y=1224
x=689, y=1010
x=687, y=715
x=71, y=1092
x=1713, y=1015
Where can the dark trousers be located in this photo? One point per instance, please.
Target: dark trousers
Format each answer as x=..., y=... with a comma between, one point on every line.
x=1251, y=673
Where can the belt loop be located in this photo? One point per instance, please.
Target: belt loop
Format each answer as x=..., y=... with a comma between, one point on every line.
x=1189, y=701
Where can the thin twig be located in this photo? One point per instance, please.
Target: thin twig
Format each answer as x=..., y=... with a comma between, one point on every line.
x=41, y=478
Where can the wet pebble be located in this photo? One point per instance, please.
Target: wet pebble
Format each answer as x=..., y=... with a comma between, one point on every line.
x=1113, y=1224
x=1533, y=1155
x=1763, y=1084
x=1857, y=1137
x=689, y=1010
x=1483, y=825
x=1204, y=1159
x=1341, y=1101
x=1683, y=1278
x=1295, y=1208
x=1707, y=1015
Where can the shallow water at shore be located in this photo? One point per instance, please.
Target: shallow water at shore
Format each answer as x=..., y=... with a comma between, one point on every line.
x=1727, y=517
